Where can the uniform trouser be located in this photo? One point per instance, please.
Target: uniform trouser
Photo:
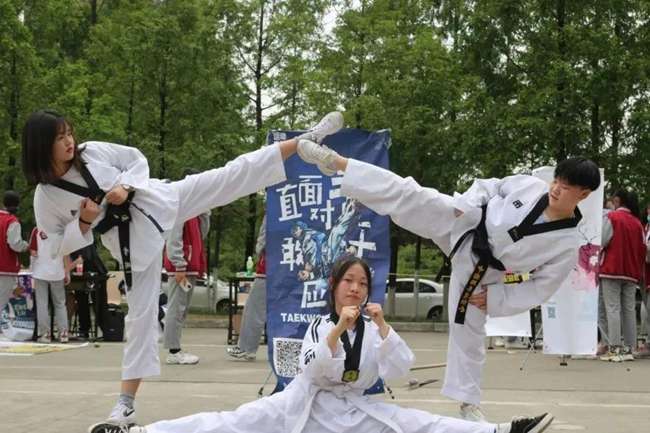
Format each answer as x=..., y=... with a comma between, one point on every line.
x=140, y=358
x=254, y=317
x=619, y=300
x=645, y=298
x=271, y=412
x=7, y=286
x=57, y=290
x=177, y=309
x=197, y=194
x=602, y=317
x=430, y=214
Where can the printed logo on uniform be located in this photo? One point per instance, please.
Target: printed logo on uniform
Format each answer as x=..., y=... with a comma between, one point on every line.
x=43, y=235
x=517, y=204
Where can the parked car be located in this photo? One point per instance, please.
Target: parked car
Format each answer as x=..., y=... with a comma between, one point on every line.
x=430, y=299
x=201, y=298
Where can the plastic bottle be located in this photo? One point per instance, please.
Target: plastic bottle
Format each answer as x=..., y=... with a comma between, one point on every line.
x=249, y=266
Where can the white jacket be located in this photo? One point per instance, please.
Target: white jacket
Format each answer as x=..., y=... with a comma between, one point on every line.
x=57, y=210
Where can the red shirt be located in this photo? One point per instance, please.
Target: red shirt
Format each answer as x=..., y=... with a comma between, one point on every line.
x=193, y=250
x=624, y=256
x=9, y=263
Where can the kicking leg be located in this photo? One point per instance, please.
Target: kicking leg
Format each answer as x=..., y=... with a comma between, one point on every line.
x=423, y=211
x=244, y=175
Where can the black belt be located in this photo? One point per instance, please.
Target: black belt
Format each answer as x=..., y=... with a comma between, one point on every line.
x=116, y=215
x=120, y=216
x=481, y=246
x=352, y=352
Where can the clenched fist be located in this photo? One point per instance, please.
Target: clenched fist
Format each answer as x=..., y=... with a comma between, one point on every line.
x=117, y=195
x=89, y=210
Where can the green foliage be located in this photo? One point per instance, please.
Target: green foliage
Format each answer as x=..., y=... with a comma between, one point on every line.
x=468, y=88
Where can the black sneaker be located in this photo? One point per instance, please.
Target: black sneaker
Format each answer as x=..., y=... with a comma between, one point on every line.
x=106, y=427
x=527, y=424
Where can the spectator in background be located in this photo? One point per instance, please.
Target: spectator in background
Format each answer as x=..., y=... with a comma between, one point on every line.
x=603, y=342
x=49, y=277
x=185, y=261
x=643, y=351
x=254, y=316
x=11, y=243
x=94, y=272
x=621, y=271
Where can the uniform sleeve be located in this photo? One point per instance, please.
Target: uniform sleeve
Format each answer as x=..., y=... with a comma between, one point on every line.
x=607, y=232
x=129, y=160
x=394, y=357
x=482, y=190
x=15, y=238
x=409, y=204
x=174, y=248
x=316, y=359
x=511, y=299
x=204, y=223
x=60, y=238
x=33, y=240
x=261, y=238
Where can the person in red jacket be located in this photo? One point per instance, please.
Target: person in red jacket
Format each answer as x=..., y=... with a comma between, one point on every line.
x=643, y=351
x=621, y=271
x=11, y=243
x=184, y=261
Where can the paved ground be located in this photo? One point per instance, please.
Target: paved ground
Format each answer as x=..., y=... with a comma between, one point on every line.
x=67, y=391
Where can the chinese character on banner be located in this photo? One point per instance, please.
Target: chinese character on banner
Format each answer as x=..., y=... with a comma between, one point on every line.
x=288, y=203
x=310, y=225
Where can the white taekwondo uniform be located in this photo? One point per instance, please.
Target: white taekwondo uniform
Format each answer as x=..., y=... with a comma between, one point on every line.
x=318, y=401
x=57, y=215
x=546, y=257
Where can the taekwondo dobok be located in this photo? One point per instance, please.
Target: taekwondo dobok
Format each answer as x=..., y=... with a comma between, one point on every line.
x=324, y=398
x=500, y=241
x=135, y=233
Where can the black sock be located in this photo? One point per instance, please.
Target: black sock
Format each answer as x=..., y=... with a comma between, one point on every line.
x=174, y=351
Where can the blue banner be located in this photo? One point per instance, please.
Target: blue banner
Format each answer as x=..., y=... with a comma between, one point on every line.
x=310, y=225
x=17, y=320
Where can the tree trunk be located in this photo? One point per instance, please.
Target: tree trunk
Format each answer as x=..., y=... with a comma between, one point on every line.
x=162, y=93
x=129, y=120
x=560, y=109
x=218, y=233
x=252, y=199
x=14, y=103
x=595, y=130
x=93, y=12
x=616, y=143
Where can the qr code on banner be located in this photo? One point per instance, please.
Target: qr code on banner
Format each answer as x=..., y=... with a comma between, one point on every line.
x=286, y=353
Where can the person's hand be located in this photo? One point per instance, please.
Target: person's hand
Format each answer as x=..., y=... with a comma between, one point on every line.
x=117, y=195
x=180, y=277
x=33, y=253
x=348, y=316
x=376, y=313
x=66, y=279
x=457, y=212
x=479, y=300
x=89, y=210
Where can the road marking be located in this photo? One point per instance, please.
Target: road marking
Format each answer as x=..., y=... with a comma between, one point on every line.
x=537, y=403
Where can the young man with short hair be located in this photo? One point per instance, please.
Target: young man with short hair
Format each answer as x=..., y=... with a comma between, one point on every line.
x=511, y=241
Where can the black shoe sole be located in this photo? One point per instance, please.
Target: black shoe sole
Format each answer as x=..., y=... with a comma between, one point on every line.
x=541, y=426
x=102, y=427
